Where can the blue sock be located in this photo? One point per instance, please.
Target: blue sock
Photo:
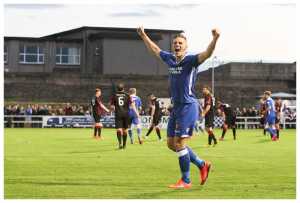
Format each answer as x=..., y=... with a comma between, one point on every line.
x=196, y=128
x=274, y=133
x=184, y=163
x=139, y=132
x=195, y=159
x=271, y=131
x=130, y=134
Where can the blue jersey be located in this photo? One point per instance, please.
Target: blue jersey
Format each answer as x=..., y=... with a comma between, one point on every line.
x=182, y=77
x=138, y=105
x=270, y=107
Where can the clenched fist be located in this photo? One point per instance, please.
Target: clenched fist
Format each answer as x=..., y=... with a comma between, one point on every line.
x=215, y=33
x=140, y=30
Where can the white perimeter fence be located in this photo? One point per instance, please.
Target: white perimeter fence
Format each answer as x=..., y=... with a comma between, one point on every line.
x=20, y=121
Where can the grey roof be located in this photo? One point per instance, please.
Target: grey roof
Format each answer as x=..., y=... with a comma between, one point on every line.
x=103, y=29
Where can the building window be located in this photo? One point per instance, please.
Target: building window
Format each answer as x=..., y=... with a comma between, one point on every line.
x=5, y=54
x=31, y=54
x=67, y=56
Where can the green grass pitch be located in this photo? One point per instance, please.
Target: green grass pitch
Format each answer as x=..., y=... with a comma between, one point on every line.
x=69, y=164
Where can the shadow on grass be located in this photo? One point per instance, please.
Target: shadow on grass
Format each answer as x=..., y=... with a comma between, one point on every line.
x=112, y=149
x=56, y=183
x=262, y=141
x=146, y=141
x=163, y=194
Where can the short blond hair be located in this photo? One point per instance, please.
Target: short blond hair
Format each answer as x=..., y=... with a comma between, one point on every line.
x=132, y=90
x=268, y=92
x=180, y=35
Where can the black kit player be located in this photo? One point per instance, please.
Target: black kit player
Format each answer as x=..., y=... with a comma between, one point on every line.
x=278, y=107
x=208, y=113
x=120, y=102
x=200, y=122
x=97, y=110
x=230, y=119
x=156, y=115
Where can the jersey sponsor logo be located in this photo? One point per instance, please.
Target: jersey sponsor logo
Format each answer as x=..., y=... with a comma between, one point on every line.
x=175, y=70
x=177, y=131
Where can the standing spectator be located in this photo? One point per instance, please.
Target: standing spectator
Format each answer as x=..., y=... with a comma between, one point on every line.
x=68, y=110
x=80, y=111
x=252, y=113
x=28, y=113
x=238, y=112
x=21, y=119
x=28, y=110
x=60, y=112
x=15, y=111
x=8, y=111
x=244, y=112
x=49, y=110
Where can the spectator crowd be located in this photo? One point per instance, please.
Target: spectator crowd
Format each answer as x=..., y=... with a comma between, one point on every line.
x=68, y=109
x=45, y=109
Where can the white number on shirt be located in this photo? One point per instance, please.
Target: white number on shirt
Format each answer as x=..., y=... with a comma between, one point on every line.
x=121, y=101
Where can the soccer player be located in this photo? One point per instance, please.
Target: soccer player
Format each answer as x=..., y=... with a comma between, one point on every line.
x=200, y=122
x=208, y=113
x=182, y=78
x=135, y=118
x=278, y=108
x=271, y=115
x=97, y=111
x=262, y=113
x=156, y=114
x=230, y=119
x=120, y=102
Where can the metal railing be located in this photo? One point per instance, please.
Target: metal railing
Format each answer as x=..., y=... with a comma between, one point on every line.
x=254, y=122
x=20, y=121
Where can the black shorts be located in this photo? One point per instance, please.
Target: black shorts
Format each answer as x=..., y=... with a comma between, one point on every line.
x=122, y=121
x=262, y=120
x=209, y=121
x=96, y=118
x=230, y=121
x=156, y=119
x=277, y=120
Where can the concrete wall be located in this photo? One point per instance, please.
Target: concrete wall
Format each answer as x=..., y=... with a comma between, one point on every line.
x=75, y=87
x=231, y=84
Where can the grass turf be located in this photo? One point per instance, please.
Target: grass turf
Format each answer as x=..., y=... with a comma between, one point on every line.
x=68, y=163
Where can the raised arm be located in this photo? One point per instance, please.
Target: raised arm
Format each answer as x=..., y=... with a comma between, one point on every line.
x=152, y=47
x=211, y=47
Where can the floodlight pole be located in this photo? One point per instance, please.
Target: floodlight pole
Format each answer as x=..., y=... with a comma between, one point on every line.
x=213, y=75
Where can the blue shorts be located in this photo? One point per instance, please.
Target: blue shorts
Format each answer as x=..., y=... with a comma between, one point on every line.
x=182, y=120
x=134, y=120
x=270, y=120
